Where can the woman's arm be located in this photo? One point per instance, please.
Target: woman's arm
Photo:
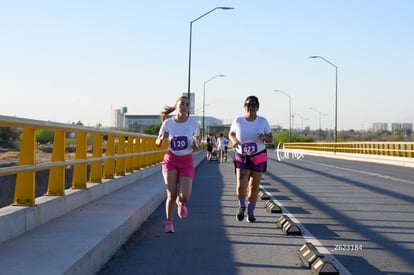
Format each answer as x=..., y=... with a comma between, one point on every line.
x=233, y=139
x=266, y=138
x=160, y=139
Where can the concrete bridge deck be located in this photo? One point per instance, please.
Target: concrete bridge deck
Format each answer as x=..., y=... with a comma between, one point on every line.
x=209, y=241
x=122, y=232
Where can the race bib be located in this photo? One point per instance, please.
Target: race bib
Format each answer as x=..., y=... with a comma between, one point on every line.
x=179, y=143
x=249, y=148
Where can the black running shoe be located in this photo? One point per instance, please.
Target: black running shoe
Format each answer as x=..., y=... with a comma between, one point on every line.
x=240, y=213
x=251, y=218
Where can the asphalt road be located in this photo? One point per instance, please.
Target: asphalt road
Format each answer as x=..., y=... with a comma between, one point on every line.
x=360, y=214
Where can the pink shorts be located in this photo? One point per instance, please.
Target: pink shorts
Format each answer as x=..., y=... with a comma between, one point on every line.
x=257, y=163
x=184, y=165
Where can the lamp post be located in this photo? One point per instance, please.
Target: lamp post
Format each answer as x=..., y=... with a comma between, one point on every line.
x=320, y=124
x=302, y=118
x=189, y=51
x=336, y=97
x=290, y=111
x=204, y=102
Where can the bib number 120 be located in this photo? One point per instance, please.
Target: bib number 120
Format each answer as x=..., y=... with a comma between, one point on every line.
x=178, y=143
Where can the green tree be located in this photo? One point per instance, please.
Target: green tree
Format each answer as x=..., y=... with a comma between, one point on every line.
x=44, y=136
x=152, y=129
x=9, y=137
x=282, y=137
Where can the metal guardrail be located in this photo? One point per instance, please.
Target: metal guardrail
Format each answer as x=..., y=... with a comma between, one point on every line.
x=395, y=149
x=114, y=153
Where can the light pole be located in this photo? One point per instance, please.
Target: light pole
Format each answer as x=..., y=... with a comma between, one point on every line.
x=336, y=97
x=302, y=118
x=290, y=111
x=320, y=124
x=189, y=51
x=204, y=102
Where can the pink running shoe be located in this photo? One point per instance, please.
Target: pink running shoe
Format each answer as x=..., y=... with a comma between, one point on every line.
x=169, y=227
x=182, y=210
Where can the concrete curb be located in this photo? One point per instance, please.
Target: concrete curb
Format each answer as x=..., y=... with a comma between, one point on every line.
x=81, y=241
x=389, y=160
x=17, y=220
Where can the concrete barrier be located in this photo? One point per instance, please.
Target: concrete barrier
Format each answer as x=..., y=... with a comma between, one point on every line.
x=16, y=220
x=390, y=160
x=84, y=229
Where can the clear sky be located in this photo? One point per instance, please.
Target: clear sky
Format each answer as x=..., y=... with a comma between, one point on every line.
x=76, y=60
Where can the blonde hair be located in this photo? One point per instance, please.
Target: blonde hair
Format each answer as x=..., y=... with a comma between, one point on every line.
x=169, y=109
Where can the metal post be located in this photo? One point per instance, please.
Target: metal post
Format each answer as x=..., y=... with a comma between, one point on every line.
x=189, y=51
x=336, y=98
x=290, y=112
x=204, y=102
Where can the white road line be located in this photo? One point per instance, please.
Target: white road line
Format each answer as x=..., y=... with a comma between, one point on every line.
x=307, y=235
x=362, y=172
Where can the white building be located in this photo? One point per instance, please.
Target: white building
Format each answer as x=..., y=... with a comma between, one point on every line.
x=379, y=127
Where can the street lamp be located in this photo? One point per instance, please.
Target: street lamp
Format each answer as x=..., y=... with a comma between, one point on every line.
x=290, y=112
x=204, y=102
x=302, y=118
x=189, y=51
x=320, y=124
x=336, y=98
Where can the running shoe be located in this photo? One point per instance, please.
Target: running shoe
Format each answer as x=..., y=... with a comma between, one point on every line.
x=240, y=213
x=250, y=217
x=169, y=227
x=182, y=210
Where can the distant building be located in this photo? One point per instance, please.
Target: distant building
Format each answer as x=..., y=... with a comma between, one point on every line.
x=138, y=123
x=208, y=121
x=276, y=128
x=119, y=118
x=407, y=126
x=379, y=127
x=401, y=126
x=396, y=126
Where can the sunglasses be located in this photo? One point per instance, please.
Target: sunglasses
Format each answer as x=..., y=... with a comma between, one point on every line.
x=251, y=105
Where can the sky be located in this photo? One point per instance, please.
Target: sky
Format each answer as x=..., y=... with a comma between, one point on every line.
x=69, y=61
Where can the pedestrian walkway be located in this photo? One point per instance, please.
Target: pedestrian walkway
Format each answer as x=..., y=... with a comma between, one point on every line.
x=210, y=240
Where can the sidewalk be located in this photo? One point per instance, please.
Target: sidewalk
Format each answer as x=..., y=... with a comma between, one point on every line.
x=210, y=240
x=81, y=241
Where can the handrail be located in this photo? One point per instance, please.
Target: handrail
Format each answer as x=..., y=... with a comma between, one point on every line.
x=125, y=152
x=396, y=149
x=44, y=166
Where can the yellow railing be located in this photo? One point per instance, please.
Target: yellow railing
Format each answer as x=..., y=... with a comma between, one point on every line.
x=396, y=149
x=124, y=153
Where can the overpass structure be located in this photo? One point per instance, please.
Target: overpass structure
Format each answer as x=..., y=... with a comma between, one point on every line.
x=115, y=186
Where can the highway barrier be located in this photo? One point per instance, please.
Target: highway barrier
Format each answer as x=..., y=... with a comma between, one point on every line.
x=379, y=148
x=100, y=160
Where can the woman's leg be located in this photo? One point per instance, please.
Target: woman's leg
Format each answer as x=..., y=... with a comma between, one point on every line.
x=183, y=196
x=171, y=181
x=185, y=188
x=242, y=176
x=254, y=186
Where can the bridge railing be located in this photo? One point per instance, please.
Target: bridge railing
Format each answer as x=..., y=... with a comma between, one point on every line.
x=394, y=149
x=113, y=153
